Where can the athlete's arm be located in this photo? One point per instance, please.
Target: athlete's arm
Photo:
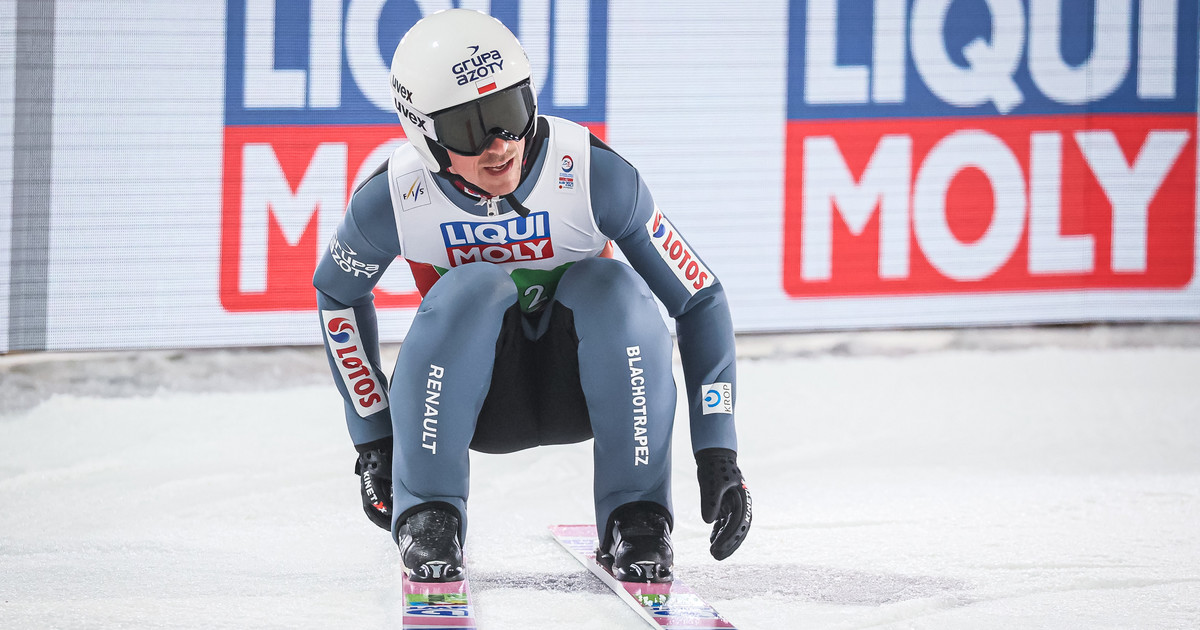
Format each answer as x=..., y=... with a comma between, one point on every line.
x=626, y=213
x=352, y=264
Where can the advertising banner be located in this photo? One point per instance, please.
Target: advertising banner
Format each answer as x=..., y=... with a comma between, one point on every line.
x=834, y=164
x=8, y=39
x=972, y=147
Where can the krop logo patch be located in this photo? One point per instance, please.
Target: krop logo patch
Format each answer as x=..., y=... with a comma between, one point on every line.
x=717, y=398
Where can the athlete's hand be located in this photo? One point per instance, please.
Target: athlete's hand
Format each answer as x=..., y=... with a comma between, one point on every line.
x=374, y=468
x=724, y=500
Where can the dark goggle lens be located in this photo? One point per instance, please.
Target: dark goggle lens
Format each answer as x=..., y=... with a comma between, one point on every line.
x=469, y=128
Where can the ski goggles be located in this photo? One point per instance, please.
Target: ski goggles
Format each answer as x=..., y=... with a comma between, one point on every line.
x=469, y=129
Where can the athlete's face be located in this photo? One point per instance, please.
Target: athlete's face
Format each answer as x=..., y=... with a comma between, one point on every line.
x=497, y=170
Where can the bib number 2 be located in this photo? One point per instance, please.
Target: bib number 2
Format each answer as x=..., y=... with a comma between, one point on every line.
x=539, y=295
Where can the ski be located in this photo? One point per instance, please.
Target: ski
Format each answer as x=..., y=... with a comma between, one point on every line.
x=671, y=605
x=437, y=605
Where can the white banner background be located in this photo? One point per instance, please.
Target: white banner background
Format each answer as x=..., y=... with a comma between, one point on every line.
x=8, y=37
x=696, y=100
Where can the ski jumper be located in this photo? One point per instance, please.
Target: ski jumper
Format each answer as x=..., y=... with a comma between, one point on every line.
x=549, y=342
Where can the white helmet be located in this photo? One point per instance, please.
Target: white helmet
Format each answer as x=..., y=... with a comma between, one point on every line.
x=460, y=79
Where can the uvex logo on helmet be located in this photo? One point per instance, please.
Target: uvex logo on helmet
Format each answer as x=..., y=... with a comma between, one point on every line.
x=403, y=99
x=412, y=116
x=404, y=92
x=478, y=66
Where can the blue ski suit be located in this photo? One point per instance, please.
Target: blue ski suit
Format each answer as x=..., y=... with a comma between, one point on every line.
x=528, y=332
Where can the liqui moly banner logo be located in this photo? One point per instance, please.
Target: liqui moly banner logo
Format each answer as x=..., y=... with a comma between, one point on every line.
x=308, y=115
x=959, y=146
x=519, y=239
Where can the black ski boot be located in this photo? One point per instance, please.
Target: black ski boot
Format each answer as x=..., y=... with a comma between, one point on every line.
x=429, y=546
x=640, y=549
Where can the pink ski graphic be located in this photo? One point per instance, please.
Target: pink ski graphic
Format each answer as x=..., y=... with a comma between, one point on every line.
x=672, y=606
x=437, y=605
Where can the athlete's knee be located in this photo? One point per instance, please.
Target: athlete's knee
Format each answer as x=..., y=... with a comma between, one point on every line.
x=479, y=287
x=611, y=305
x=601, y=284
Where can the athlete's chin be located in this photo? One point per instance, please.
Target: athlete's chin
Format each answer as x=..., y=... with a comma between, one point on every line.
x=503, y=184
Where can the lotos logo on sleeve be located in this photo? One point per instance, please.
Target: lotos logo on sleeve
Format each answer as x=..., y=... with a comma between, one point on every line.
x=340, y=329
x=309, y=114
x=959, y=146
x=345, y=347
x=675, y=252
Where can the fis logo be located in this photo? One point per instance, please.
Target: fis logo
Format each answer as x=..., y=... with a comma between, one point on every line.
x=679, y=257
x=416, y=191
x=516, y=240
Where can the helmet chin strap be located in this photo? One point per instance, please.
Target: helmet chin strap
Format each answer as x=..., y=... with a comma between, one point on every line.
x=516, y=205
x=462, y=183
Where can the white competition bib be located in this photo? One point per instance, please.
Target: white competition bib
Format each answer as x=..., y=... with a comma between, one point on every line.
x=535, y=250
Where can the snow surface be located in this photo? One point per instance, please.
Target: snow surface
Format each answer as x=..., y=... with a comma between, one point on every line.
x=931, y=479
